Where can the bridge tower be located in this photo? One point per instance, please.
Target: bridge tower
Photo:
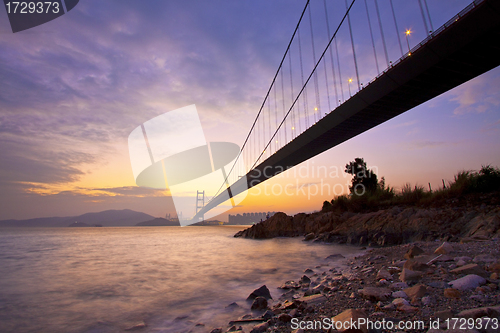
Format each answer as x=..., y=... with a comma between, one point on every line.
x=200, y=197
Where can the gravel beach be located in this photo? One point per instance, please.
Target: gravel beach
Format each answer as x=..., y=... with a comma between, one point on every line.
x=418, y=287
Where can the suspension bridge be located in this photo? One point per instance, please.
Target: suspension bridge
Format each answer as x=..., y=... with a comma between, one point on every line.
x=323, y=95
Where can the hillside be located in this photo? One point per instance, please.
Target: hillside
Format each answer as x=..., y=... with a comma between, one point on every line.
x=108, y=218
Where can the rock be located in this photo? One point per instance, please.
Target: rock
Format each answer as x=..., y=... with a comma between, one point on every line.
x=452, y=293
x=495, y=267
x=284, y=317
x=259, y=303
x=398, y=285
x=290, y=285
x=232, y=306
x=413, y=252
x=443, y=315
x=494, y=276
x=399, y=294
x=486, y=258
x=461, y=263
x=470, y=269
x=407, y=308
x=445, y=248
x=384, y=274
x=262, y=291
x=468, y=282
x=335, y=256
x=268, y=315
x=490, y=312
x=408, y=275
x=313, y=300
x=137, y=326
x=261, y=328
x=426, y=300
x=309, y=271
x=418, y=291
x=216, y=330
x=438, y=284
x=309, y=237
x=399, y=302
x=305, y=280
x=415, y=265
x=375, y=294
x=234, y=328
x=351, y=315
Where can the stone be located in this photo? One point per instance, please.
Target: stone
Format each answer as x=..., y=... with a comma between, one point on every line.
x=415, y=265
x=460, y=263
x=413, y=252
x=234, y=328
x=438, y=284
x=335, y=256
x=407, y=308
x=138, y=326
x=408, y=275
x=309, y=271
x=261, y=328
x=290, y=285
x=216, y=330
x=262, y=291
x=426, y=300
x=443, y=315
x=418, y=291
x=232, y=306
x=489, y=311
x=486, y=258
x=452, y=293
x=309, y=236
x=305, y=279
x=445, y=248
x=399, y=294
x=268, y=315
x=399, y=302
x=470, y=269
x=351, y=315
x=384, y=274
x=375, y=294
x=313, y=300
x=494, y=276
x=259, y=303
x=468, y=282
x=398, y=285
x=284, y=317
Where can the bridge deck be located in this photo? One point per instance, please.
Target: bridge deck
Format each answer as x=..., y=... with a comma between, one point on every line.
x=466, y=49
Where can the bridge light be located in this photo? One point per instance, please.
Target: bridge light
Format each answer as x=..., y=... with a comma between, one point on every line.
x=315, y=109
x=293, y=127
x=408, y=31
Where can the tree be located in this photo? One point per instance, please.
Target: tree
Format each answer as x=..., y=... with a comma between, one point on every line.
x=363, y=180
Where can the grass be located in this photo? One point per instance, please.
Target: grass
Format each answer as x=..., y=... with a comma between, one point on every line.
x=465, y=183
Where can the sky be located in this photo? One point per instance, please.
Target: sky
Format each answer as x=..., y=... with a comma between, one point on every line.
x=73, y=89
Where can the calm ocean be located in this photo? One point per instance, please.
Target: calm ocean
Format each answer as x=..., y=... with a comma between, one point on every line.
x=109, y=279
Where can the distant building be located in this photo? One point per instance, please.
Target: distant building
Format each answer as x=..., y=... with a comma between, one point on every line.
x=249, y=218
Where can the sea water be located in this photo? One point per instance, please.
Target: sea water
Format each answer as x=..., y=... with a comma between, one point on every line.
x=173, y=279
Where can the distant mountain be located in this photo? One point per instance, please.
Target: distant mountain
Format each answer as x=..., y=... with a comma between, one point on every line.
x=107, y=218
x=159, y=222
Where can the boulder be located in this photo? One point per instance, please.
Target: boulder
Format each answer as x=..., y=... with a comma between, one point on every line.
x=262, y=291
x=468, y=282
x=290, y=285
x=415, y=265
x=489, y=311
x=259, y=303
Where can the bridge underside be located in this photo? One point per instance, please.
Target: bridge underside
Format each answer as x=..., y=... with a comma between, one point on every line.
x=464, y=50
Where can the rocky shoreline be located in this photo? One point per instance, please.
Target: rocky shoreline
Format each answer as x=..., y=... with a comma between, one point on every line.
x=423, y=283
x=391, y=226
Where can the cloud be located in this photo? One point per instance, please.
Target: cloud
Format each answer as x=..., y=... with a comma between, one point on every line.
x=479, y=97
